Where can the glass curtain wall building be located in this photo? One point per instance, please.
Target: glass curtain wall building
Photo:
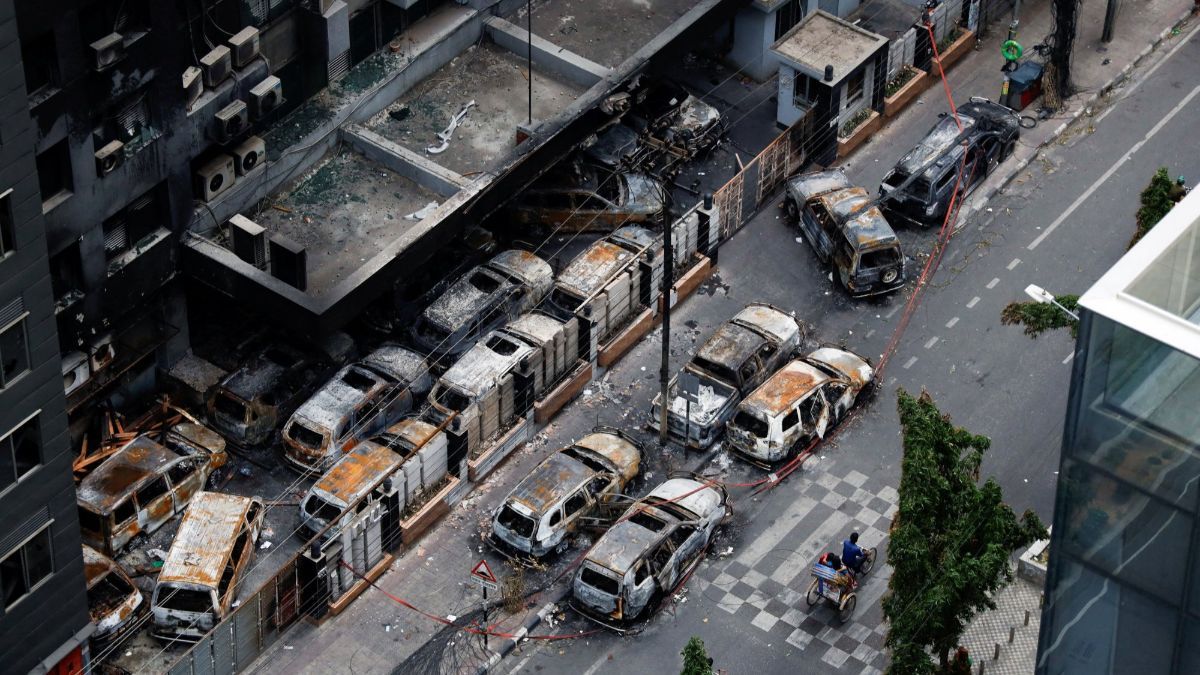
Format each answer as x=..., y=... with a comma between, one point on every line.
x=1123, y=585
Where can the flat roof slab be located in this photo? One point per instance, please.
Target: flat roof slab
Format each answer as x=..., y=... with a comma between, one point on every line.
x=343, y=211
x=604, y=31
x=822, y=39
x=496, y=80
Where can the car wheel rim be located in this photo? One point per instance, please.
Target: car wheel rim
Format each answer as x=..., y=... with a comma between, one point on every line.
x=889, y=276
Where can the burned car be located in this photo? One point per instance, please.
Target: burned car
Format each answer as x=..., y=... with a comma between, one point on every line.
x=568, y=487
x=115, y=604
x=653, y=546
x=589, y=201
x=801, y=402
x=250, y=403
x=842, y=226
x=616, y=148
x=481, y=300
x=198, y=582
x=668, y=112
x=738, y=357
x=362, y=399
x=350, y=479
x=144, y=484
x=919, y=188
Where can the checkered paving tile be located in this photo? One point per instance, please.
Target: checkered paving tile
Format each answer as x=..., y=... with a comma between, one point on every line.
x=766, y=583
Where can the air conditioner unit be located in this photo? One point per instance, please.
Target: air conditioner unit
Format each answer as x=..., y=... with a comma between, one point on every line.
x=249, y=154
x=231, y=121
x=109, y=158
x=249, y=240
x=75, y=371
x=266, y=96
x=214, y=177
x=244, y=44
x=193, y=85
x=107, y=51
x=289, y=262
x=216, y=66
x=102, y=352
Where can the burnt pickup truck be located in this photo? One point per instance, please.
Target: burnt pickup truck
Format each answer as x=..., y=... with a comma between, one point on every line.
x=738, y=357
x=841, y=225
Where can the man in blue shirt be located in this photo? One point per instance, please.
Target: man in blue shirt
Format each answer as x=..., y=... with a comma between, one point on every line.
x=852, y=555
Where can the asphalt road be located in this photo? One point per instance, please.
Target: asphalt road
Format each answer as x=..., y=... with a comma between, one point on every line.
x=1060, y=224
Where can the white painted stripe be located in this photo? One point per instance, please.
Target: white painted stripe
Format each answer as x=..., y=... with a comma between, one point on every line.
x=951, y=322
x=520, y=665
x=909, y=363
x=800, y=560
x=1113, y=169
x=1013, y=264
x=770, y=538
x=1145, y=76
x=993, y=282
x=974, y=301
x=595, y=667
x=1069, y=357
x=894, y=310
x=870, y=333
x=932, y=341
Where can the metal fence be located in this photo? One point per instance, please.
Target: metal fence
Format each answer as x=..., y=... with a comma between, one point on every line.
x=912, y=48
x=741, y=196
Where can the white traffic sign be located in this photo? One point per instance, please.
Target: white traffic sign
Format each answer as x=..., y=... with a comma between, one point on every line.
x=483, y=574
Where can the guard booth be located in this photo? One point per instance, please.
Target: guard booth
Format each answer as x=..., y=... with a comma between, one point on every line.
x=832, y=68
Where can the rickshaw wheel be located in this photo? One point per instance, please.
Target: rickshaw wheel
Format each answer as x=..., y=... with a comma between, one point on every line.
x=847, y=608
x=868, y=562
x=814, y=594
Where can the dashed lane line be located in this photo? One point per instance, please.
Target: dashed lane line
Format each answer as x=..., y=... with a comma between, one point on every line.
x=951, y=322
x=932, y=341
x=1145, y=76
x=909, y=363
x=1012, y=265
x=1069, y=357
x=993, y=282
x=974, y=301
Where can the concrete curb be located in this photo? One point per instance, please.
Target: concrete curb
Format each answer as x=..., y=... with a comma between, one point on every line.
x=980, y=200
x=526, y=628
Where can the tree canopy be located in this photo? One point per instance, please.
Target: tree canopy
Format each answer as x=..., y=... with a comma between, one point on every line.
x=950, y=540
x=1156, y=200
x=695, y=658
x=1038, y=317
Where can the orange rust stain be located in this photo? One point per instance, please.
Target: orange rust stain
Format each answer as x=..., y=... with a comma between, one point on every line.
x=784, y=388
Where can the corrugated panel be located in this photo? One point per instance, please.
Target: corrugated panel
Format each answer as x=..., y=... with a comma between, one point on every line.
x=116, y=238
x=11, y=312
x=224, y=662
x=339, y=65
x=245, y=632
x=202, y=658
x=25, y=530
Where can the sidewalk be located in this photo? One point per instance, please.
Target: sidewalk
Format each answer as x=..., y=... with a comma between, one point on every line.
x=1018, y=613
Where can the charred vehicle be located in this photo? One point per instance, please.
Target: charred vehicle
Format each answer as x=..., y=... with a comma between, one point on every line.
x=483, y=299
x=669, y=113
x=361, y=400
x=738, y=357
x=650, y=550
x=114, y=603
x=198, y=582
x=249, y=404
x=495, y=383
x=802, y=402
x=591, y=201
x=349, y=480
x=842, y=226
x=560, y=494
x=922, y=183
x=610, y=280
x=616, y=148
x=144, y=484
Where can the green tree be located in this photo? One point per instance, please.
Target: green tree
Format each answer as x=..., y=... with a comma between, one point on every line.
x=1156, y=203
x=1038, y=317
x=950, y=540
x=695, y=658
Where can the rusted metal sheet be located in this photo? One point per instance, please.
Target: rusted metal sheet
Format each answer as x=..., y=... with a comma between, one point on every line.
x=139, y=462
x=203, y=545
x=779, y=393
x=852, y=366
x=354, y=474
x=622, y=453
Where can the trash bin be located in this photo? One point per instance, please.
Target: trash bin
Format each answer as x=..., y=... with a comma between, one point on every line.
x=1024, y=85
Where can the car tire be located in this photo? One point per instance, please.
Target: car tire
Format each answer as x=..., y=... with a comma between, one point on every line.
x=890, y=276
x=790, y=210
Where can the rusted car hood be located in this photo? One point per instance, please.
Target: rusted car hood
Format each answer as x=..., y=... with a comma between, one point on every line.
x=692, y=495
x=792, y=383
x=621, y=546
x=354, y=474
x=141, y=460
x=622, y=454
x=731, y=345
x=589, y=271
x=551, y=481
x=853, y=367
x=808, y=185
x=772, y=321
x=530, y=269
x=865, y=226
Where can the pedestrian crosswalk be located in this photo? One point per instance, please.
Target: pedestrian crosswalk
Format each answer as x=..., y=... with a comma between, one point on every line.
x=765, y=583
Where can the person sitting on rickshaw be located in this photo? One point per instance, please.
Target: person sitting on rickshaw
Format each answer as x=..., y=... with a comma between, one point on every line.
x=832, y=561
x=852, y=554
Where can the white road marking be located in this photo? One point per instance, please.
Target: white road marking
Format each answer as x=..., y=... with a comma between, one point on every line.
x=601, y=662
x=909, y=363
x=1069, y=357
x=1014, y=263
x=974, y=301
x=771, y=537
x=951, y=322
x=1113, y=169
x=1129, y=92
x=932, y=341
x=520, y=665
x=870, y=333
x=993, y=282
x=894, y=310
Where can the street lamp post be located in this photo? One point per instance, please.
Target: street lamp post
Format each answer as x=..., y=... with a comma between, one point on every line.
x=1043, y=296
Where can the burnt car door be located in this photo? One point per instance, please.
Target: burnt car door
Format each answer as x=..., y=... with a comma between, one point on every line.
x=575, y=507
x=156, y=504
x=688, y=541
x=840, y=397
x=815, y=414
x=186, y=480
x=664, y=564
x=751, y=374
x=817, y=223
x=640, y=590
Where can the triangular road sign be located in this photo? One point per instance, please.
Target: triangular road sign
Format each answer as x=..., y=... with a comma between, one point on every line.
x=483, y=573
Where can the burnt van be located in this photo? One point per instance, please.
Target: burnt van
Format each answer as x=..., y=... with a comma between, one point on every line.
x=115, y=604
x=198, y=582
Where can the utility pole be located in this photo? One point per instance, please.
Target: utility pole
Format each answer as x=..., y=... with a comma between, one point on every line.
x=664, y=372
x=1016, y=20
x=1110, y=17
x=529, y=53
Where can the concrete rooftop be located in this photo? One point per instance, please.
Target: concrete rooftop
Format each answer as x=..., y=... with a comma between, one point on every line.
x=343, y=210
x=822, y=39
x=496, y=80
x=604, y=31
